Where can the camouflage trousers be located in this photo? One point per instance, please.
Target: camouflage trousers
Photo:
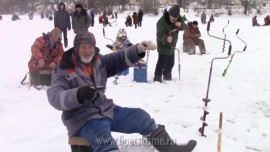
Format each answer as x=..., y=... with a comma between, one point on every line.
x=189, y=46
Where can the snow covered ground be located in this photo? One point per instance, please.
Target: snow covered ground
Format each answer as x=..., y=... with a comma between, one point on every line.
x=29, y=123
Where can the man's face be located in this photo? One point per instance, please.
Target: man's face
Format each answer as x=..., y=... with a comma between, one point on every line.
x=79, y=9
x=62, y=7
x=55, y=36
x=173, y=19
x=86, y=53
x=194, y=26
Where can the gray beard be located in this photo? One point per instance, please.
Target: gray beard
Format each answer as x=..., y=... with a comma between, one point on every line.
x=86, y=61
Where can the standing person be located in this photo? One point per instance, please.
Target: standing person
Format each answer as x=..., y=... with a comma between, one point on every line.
x=80, y=19
x=92, y=17
x=211, y=19
x=78, y=89
x=46, y=52
x=170, y=20
x=203, y=18
x=191, y=38
x=62, y=20
x=254, y=21
x=31, y=15
x=115, y=13
x=140, y=18
x=42, y=14
x=135, y=19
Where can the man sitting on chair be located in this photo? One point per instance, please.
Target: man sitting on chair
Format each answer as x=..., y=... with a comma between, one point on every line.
x=191, y=38
x=47, y=52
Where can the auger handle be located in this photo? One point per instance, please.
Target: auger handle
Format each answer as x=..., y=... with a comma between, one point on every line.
x=208, y=26
x=237, y=31
x=245, y=48
x=230, y=50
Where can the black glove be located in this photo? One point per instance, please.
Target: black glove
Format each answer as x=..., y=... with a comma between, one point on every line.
x=84, y=93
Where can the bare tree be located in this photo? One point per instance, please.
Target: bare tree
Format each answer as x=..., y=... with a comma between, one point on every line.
x=248, y=4
x=151, y=6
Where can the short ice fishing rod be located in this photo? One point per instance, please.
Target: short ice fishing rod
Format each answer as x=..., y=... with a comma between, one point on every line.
x=206, y=100
x=179, y=65
x=225, y=70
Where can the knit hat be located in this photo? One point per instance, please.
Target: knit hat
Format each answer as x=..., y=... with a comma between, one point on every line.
x=121, y=32
x=174, y=11
x=78, y=5
x=84, y=37
x=195, y=23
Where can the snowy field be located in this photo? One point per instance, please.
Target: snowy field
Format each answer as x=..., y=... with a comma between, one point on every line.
x=29, y=124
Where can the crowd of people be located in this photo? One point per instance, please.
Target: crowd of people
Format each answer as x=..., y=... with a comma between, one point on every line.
x=75, y=79
x=80, y=73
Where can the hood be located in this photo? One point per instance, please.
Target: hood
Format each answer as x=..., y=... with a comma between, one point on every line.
x=61, y=3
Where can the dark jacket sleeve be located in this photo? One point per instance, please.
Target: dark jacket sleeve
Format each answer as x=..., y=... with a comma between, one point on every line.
x=121, y=60
x=162, y=33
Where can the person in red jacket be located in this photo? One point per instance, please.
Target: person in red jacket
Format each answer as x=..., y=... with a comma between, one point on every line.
x=254, y=21
x=47, y=52
x=266, y=20
x=191, y=38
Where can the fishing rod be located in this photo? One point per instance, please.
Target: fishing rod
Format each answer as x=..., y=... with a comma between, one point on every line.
x=206, y=100
x=225, y=70
x=179, y=65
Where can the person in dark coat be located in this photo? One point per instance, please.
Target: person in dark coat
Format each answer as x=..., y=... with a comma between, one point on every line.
x=41, y=14
x=62, y=20
x=15, y=17
x=254, y=21
x=203, y=18
x=128, y=21
x=78, y=89
x=50, y=17
x=140, y=18
x=92, y=17
x=211, y=19
x=80, y=19
x=266, y=20
x=135, y=19
x=191, y=38
x=170, y=20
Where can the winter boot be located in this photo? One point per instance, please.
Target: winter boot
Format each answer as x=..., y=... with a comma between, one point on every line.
x=167, y=78
x=158, y=79
x=161, y=140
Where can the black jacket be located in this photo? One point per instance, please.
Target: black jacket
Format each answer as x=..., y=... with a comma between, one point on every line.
x=61, y=18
